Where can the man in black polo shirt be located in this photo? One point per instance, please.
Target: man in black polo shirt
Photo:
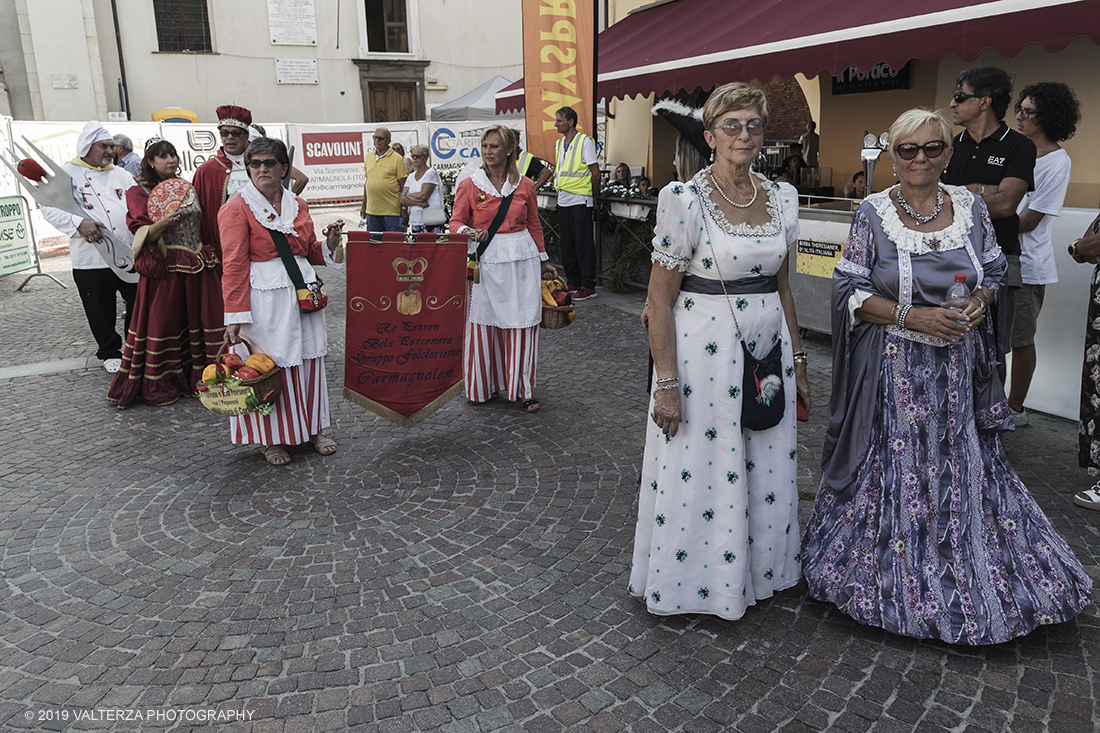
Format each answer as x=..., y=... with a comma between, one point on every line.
x=997, y=163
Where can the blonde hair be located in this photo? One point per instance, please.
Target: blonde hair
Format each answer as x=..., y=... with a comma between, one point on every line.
x=508, y=140
x=912, y=120
x=731, y=98
x=420, y=148
x=689, y=160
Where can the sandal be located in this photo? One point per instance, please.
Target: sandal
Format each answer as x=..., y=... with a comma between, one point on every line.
x=1089, y=498
x=531, y=405
x=323, y=446
x=275, y=455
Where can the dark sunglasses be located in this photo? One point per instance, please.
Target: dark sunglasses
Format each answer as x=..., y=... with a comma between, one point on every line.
x=961, y=97
x=1024, y=112
x=255, y=164
x=733, y=127
x=232, y=132
x=908, y=151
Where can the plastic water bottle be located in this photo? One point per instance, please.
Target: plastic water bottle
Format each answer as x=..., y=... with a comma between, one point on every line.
x=958, y=296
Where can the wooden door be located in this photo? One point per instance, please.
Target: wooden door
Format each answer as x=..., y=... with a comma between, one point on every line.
x=393, y=101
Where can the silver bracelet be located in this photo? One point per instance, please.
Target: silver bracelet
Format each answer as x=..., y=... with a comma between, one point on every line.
x=800, y=359
x=902, y=314
x=666, y=386
x=667, y=380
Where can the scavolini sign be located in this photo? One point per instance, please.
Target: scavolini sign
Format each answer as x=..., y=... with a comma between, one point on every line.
x=332, y=156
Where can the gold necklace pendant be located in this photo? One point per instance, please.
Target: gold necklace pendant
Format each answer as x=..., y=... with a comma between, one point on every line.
x=717, y=185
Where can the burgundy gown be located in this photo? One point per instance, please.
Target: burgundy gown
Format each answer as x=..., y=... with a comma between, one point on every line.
x=177, y=324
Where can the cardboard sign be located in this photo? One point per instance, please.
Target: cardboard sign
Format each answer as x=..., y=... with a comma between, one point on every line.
x=15, y=249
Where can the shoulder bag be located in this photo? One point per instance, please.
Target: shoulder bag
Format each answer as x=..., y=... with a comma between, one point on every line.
x=763, y=397
x=311, y=297
x=473, y=271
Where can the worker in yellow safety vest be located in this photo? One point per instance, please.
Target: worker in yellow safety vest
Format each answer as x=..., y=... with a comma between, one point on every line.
x=531, y=165
x=577, y=180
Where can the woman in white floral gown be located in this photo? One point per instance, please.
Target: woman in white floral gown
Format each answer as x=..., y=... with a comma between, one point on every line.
x=718, y=505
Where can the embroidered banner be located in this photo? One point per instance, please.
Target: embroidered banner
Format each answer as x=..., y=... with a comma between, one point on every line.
x=559, y=68
x=405, y=324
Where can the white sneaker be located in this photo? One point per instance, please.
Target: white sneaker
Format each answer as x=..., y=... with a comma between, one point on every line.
x=111, y=366
x=1020, y=418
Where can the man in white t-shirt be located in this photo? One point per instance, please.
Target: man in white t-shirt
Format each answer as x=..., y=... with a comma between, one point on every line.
x=1047, y=114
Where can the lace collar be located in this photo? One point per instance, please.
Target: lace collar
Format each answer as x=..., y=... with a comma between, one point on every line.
x=773, y=228
x=481, y=179
x=264, y=212
x=905, y=239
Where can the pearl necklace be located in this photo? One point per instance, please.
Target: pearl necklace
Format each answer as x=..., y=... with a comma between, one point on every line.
x=922, y=218
x=717, y=185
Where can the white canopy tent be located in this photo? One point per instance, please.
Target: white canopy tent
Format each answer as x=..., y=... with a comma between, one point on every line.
x=479, y=104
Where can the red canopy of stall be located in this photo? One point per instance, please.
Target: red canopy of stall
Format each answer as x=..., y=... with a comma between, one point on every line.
x=684, y=44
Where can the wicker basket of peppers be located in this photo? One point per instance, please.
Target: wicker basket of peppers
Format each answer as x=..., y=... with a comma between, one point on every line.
x=557, y=305
x=235, y=386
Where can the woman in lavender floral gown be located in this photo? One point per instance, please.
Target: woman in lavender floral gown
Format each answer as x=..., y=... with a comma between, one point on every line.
x=921, y=526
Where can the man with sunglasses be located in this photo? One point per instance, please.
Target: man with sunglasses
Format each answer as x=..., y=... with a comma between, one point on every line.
x=996, y=163
x=385, y=172
x=223, y=175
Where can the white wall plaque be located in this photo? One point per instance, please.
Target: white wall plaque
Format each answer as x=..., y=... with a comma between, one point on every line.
x=65, y=81
x=296, y=71
x=292, y=22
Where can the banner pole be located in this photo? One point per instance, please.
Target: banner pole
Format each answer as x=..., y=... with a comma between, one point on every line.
x=597, y=220
x=34, y=247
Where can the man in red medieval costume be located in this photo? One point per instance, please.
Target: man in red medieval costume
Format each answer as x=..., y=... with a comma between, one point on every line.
x=223, y=175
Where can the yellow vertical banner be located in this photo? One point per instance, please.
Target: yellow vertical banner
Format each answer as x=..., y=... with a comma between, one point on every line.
x=559, y=68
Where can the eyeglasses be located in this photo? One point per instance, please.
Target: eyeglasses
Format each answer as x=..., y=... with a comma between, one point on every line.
x=961, y=97
x=255, y=164
x=1023, y=112
x=733, y=127
x=232, y=132
x=932, y=150
x=415, y=156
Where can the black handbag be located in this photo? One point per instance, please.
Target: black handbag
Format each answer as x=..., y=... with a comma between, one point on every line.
x=762, y=395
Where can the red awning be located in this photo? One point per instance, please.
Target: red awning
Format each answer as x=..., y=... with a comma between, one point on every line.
x=510, y=98
x=684, y=44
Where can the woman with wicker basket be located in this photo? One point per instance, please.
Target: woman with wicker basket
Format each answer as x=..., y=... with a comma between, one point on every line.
x=264, y=306
x=496, y=208
x=176, y=326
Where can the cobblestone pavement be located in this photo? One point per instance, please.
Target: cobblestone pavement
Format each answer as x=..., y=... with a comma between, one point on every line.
x=468, y=574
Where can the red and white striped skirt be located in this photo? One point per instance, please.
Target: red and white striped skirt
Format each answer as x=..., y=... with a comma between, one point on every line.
x=301, y=411
x=500, y=358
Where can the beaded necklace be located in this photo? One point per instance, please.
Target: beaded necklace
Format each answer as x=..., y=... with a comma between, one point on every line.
x=714, y=180
x=921, y=218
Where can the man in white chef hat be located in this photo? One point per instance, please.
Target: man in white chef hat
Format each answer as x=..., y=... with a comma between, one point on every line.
x=99, y=188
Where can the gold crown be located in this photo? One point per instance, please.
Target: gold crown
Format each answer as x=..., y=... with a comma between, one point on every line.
x=410, y=270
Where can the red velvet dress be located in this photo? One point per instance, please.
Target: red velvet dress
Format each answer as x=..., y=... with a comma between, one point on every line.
x=177, y=322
